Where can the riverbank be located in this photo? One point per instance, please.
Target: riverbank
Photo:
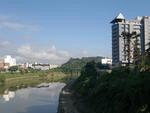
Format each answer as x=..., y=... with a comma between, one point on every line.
x=13, y=81
x=70, y=101
x=66, y=100
x=124, y=90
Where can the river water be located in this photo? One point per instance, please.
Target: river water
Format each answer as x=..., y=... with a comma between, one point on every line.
x=31, y=100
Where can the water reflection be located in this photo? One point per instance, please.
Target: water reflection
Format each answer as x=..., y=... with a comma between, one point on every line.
x=32, y=100
x=8, y=95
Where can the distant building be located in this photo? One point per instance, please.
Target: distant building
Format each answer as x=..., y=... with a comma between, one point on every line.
x=25, y=65
x=140, y=25
x=146, y=31
x=52, y=66
x=41, y=66
x=44, y=66
x=2, y=64
x=106, y=61
x=7, y=62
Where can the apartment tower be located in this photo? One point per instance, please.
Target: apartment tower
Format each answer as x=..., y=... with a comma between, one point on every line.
x=139, y=25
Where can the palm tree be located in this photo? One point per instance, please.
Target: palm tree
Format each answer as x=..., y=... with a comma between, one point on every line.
x=136, y=49
x=127, y=36
x=148, y=54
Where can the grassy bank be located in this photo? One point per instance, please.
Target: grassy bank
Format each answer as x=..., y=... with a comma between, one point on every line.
x=122, y=91
x=13, y=81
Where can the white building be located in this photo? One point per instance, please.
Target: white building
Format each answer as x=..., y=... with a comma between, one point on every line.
x=41, y=66
x=106, y=61
x=9, y=60
x=25, y=65
x=139, y=25
x=52, y=66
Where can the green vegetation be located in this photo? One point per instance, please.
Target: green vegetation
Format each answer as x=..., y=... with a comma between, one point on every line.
x=2, y=80
x=20, y=77
x=124, y=90
x=33, y=78
x=76, y=64
x=13, y=69
x=17, y=80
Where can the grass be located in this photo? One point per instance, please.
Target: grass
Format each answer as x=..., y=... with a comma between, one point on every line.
x=13, y=81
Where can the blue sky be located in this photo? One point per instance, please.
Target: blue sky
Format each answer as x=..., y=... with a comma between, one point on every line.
x=55, y=30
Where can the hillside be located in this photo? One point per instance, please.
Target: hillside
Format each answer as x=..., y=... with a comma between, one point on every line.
x=77, y=63
x=124, y=90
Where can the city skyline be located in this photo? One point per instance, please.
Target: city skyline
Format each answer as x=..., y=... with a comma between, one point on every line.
x=55, y=31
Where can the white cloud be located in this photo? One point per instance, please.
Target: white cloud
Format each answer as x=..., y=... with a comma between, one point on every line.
x=4, y=44
x=9, y=23
x=81, y=53
x=49, y=55
x=53, y=48
x=12, y=25
x=85, y=53
x=17, y=26
x=3, y=17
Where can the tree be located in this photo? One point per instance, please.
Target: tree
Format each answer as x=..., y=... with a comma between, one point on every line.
x=13, y=68
x=148, y=56
x=87, y=79
x=90, y=69
x=145, y=59
x=136, y=51
x=127, y=36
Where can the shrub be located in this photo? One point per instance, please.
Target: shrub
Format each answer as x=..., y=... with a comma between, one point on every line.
x=2, y=79
x=13, y=68
x=122, y=91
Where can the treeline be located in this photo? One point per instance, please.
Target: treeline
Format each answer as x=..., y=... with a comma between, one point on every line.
x=14, y=69
x=124, y=90
x=76, y=64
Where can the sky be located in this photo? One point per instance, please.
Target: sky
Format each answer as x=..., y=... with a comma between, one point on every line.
x=52, y=31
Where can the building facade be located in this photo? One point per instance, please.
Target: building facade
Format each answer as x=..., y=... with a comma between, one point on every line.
x=7, y=62
x=146, y=31
x=41, y=66
x=11, y=61
x=106, y=61
x=2, y=64
x=139, y=25
x=53, y=66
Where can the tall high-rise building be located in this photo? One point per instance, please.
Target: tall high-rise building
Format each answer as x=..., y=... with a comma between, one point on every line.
x=146, y=31
x=139, y=25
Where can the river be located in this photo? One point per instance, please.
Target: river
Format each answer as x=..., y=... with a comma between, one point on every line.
x=31, y=100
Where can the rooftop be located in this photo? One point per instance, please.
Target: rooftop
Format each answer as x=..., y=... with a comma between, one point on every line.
x=118, y=18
